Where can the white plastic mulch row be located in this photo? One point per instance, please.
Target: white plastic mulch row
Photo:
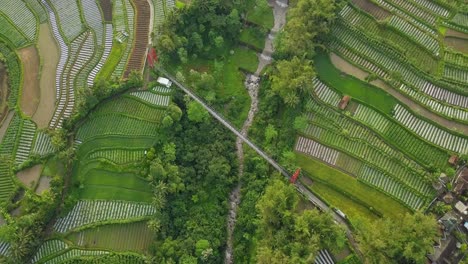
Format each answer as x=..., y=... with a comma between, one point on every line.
x=119, y=156
x=456, y=113
x=456, y=58
x=325, y=93
x=152, y=98
x=48, y=248
x=4, y=248
x=126, y=14
x=81, y=52
x=63, y=49
x=159, y=14
x=460, y=19
x=415, y=33
x=430, y=132
x=408, y=17
x=392, y=65
x=372, y=118
x=75, y=253
x=370, y=154
x=92, y=211
x=445, y=95
x=107, y=49
x=93, y=18
x=317, y=150
x=69, y=18
x=435, y=8
x=415, y=11
x=28, y=132
x=42, y=144
x=21, y=16
x=162, y=89
x=324, y=257
x=350, y=55
x=390, y=186
x=455, y=73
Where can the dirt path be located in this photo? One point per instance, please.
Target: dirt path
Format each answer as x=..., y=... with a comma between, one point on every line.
x=348, y=68
x=252, y=84
x=49, y=59
x=30, y=93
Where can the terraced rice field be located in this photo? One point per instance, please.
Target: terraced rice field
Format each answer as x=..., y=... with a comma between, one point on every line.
x=118, y=134
x=134, y=237
x=390, y=146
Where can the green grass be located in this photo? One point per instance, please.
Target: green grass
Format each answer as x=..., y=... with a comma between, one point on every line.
x=97, y=177
x=180, y=4
x=253, y=36
x=112, y=61
x=261, y=14
x=134, y=237
x=353, y=210
x=352, y=86
x=341, y=181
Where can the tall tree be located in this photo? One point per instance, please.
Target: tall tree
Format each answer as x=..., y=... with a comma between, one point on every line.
x=307, y=21
x=292, y=79
x=403, y=240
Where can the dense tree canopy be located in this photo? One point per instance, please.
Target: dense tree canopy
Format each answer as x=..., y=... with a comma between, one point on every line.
x=288, y=235
x=292, y=79
x=199, y=28
x=403, y=240
x=307, y=22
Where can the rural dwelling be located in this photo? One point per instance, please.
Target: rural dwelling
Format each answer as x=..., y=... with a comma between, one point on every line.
x=164, y=81
x=344, y=102
x=453, y=160
x=461, y=183
x=462, y=208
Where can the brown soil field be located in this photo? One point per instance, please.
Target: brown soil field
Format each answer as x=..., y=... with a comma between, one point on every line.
x=106, y=6
x=30, y=176
x=457, y=44
x=373, y=9
x=31, y=92
x=3, y=92
x=456, y=34
x=138, y=54
x=44, y=184
x=4, y=125
x=49, y=59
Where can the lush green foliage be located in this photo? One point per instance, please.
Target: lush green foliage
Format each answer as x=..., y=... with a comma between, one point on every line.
x=308, y=22
x=14, y=73
x=289, y=236
x=405, y=240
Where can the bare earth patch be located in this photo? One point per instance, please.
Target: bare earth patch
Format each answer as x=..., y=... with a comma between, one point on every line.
x=30, y=176
x=31, y=92
x=44, y=184
x=5, y=124
x=457, y=44
x=456, y=34
x=50, y=57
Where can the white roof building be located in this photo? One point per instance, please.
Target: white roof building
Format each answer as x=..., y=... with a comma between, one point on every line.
x=164, y=81
x=462, y=208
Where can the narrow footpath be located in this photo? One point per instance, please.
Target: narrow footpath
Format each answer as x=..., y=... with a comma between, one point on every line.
x=251, y=84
